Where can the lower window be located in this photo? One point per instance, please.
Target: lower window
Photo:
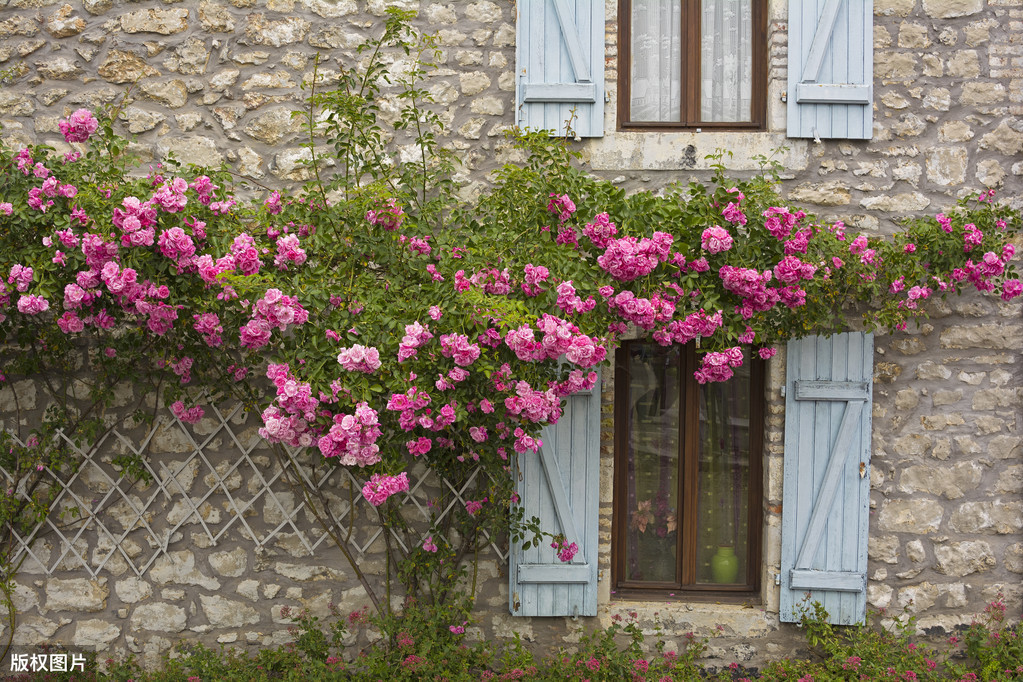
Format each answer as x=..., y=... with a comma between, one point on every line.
x=688, y=475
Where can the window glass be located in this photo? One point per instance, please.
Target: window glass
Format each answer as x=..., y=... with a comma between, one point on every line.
x=686, y=465
x=656, y=72
x=726, y=60
x=653, y=468
x=693, y=63
x=724, y=479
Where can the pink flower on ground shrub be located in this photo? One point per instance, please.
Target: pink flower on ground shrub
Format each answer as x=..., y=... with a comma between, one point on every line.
x=715, y=240
x=561, y=206
x=733, y=214
x=389, y=216
x=359, y=359
x=273, y=203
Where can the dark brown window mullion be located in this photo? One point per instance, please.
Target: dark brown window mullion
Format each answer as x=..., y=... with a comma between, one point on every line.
x=624, y=63
x=691, y=27
x=682, y=512
x=619, y=505
x=758, y=103
x=690, y=443
x=758, y=437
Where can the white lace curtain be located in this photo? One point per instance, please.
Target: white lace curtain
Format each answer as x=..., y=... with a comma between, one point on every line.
x=726, y=61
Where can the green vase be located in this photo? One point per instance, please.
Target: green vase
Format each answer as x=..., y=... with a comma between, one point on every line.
x=724, y=565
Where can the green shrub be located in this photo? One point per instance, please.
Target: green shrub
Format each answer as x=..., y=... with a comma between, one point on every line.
x=426, y=642
x=859, y=652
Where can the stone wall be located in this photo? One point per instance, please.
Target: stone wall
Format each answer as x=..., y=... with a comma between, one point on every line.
x=219, y=80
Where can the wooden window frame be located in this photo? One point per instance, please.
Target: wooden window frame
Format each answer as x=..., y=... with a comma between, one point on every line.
x=689, y=457
x=690, y=86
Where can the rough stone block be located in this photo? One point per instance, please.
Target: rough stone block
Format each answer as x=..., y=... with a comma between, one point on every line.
x=95, y=634
x=917, y=598
x=226, y=613
x=76, y=594
x=884, y=548
x=947, y=166
x=132, y=590
x=260, y=31
x=963, y=558
x=179, y=568
x=61, y=24
x=919, y=516
x=230, y=563
x=162, y=21
x=822, y=193
x=949, y=9
x=202, y=151
x=159, y=617
x=1003, y=139
x=982, y=93
x=947, y=482
x=988, y=517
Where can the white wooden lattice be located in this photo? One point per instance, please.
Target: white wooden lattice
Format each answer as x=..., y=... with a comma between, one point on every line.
x=226, y=485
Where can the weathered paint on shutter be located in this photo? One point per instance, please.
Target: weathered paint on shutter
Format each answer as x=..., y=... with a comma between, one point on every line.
x=831, y=69
x=826, y=496
x=559, y=56
x=560, y=485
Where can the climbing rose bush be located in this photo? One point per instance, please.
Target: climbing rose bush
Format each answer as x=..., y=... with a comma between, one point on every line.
x=440, y=319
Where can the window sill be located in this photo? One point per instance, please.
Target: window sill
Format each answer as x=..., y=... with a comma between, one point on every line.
x=745, y=599
x=623, y=150
x=703, y=619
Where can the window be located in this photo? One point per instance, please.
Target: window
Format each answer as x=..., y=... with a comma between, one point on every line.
x=687, y=474
x=693, y=63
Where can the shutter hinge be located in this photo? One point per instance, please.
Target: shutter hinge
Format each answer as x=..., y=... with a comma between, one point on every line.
x=777, y=579
x=785, y=97
x=781, y=391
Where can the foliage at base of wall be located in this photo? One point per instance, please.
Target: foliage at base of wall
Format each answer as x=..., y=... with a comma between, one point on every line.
x=425, y=643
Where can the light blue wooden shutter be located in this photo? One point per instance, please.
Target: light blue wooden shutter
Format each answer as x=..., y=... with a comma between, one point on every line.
x=826, y=497
x=560, y=485
x=831, y=69
x=559, y=56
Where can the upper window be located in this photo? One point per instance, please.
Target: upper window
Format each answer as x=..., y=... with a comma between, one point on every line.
x=693, y=63
x=687, y=474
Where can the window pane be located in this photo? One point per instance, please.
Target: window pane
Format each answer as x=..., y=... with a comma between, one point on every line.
x=724, y=480
x=726, y=61
x=656, y=69
x=653, y=469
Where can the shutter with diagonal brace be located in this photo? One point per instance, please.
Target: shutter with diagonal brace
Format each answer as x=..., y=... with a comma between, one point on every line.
x=560, y=486
x=826, y=495
x=559, y=55
x=831, y=69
